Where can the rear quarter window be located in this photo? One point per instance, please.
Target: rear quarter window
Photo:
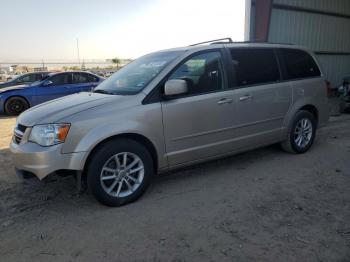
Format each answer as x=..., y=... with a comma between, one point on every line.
x=92, y=78
x=298, y=64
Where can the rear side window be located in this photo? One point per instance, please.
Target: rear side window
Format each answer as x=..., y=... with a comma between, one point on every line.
x=79, y=78
x=61, y=79
x=92, y=78
x=255, y=66
x=299, y=64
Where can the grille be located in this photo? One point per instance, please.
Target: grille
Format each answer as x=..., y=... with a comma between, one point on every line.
x=18, y=133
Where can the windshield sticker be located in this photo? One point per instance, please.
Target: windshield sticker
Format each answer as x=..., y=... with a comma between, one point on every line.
x=153, y=64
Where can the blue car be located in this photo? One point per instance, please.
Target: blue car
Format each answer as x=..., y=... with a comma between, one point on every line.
x=25, y=79
x=15, y=99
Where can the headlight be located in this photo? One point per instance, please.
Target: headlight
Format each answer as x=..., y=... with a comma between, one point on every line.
x=50, y=134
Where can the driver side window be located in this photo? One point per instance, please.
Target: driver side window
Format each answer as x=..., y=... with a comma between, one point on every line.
x=203, y=73
x=61, y=79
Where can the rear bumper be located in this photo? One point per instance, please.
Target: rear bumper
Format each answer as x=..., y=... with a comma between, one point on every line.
x=42, y=161
x=323, y=113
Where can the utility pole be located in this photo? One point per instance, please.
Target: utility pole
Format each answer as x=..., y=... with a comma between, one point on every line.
x=42, y=60
x=78, y=52
x=248, y=4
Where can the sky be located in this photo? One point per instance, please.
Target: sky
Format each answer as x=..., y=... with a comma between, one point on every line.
x=49, y=29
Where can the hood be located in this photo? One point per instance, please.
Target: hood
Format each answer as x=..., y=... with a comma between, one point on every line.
x=55, y=110
x=12, y=88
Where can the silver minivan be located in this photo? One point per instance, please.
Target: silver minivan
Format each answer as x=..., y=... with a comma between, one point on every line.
x=171, y=109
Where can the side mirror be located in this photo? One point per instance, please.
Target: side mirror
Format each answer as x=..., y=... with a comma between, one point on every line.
x=47, y=83
x=175, y=87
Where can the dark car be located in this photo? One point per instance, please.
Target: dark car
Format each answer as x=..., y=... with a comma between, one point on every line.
x=25, y=79
x=15, y=99
x=344, y=94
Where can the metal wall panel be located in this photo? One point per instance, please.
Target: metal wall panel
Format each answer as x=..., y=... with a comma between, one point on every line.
x=334, y=67
x=318, y=32
x=335, y=6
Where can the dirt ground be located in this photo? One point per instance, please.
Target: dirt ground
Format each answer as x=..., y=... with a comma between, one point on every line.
x=263, y=205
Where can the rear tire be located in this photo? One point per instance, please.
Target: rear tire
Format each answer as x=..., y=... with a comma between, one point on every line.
x=119, y=172
x=16, y=105
x=301, y=134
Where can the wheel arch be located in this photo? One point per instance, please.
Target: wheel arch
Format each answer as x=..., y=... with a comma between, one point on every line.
x=134, y=136
x=307, y=104
x=312, y=109
x=12, y=96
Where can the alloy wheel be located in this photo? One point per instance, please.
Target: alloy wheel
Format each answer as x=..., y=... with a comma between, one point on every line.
x=303, y=132
x=16, y=106
x=122, y=174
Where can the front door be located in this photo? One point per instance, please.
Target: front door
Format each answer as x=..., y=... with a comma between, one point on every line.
x=54, y=87
x=199, y=124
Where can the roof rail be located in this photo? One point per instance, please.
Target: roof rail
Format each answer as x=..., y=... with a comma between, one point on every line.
x=217, y=41
x=260, y=42
x=228, y=40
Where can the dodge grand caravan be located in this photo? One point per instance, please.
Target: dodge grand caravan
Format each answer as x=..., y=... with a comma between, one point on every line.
x=174, y=108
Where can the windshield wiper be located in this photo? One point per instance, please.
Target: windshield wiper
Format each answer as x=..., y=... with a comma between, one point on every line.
x=101, y=91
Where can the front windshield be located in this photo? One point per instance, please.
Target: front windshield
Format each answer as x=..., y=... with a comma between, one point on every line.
x=15, y=78
x=41, y=80
x=135, y=76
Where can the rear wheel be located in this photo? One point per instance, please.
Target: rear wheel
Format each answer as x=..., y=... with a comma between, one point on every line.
x=16, y=105
x=301, y=133
x=119, y=172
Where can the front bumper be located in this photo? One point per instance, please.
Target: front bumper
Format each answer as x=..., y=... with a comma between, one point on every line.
x=2, y=106
x=42, y=161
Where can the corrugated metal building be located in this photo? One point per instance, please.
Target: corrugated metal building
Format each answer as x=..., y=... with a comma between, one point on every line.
x=321, y=25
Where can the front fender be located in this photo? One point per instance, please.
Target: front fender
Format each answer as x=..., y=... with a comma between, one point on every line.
x=145, y=121
x=100, y=133
x=6, y=95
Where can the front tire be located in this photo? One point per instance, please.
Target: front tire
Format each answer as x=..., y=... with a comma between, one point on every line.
x=301, y=134
x=16, y=105
x=119, y=172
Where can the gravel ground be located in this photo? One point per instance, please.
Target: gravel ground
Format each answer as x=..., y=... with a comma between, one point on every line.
x=263, y=205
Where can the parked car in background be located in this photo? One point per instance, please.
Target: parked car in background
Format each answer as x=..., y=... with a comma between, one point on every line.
x=4, y=77
x=15, y=99
x=25, y=79
x=344, y=95
x=175, y=108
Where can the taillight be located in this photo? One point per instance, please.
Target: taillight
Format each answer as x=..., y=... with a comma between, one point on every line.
x=329, y=88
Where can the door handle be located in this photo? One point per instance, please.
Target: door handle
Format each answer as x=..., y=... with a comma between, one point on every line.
x=225, y=101
x=246, y=97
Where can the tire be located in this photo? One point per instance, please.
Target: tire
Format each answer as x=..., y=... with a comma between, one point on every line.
x=16, y=105
x=104, y=174
x=346, y=109
x=300, y=143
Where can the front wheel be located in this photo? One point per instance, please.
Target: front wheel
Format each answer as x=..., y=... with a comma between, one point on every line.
x=301, y=134
x=15, y=105
x=119, y=172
